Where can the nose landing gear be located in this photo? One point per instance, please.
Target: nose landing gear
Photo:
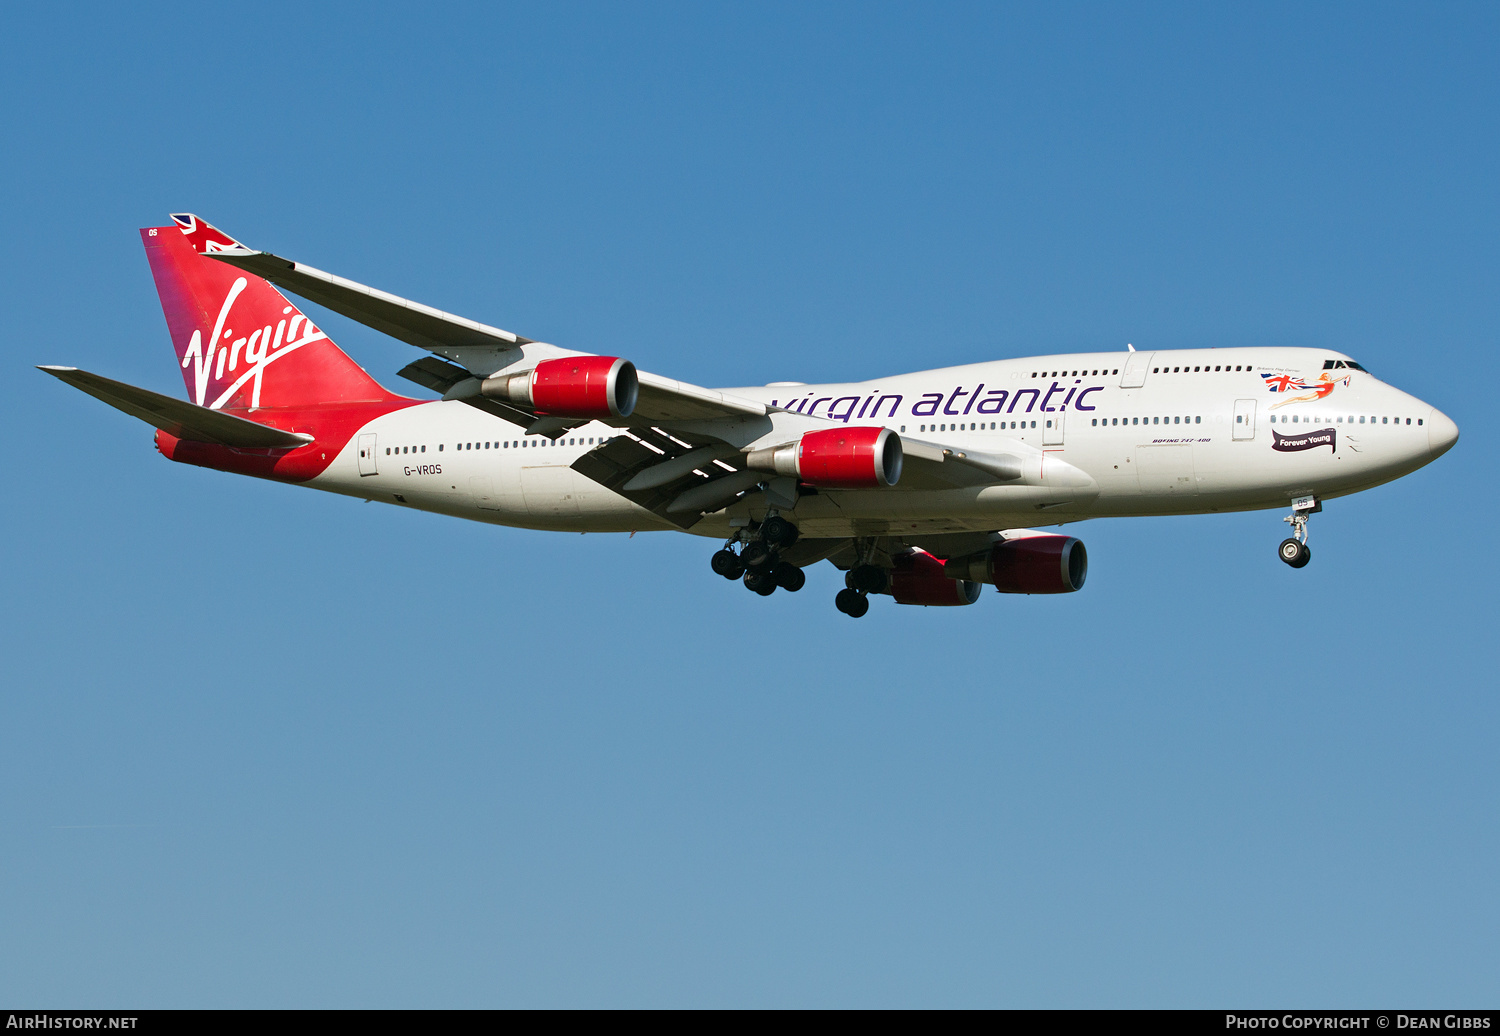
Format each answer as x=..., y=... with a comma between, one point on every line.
x=1293, y=549
x=1294, y=552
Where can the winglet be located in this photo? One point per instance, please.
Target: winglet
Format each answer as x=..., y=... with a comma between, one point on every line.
x=205, y=237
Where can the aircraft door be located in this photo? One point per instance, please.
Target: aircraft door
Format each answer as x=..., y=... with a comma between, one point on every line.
x=1136, y=366
x=1244, y=418
x=367, y=454
x=1052, y=429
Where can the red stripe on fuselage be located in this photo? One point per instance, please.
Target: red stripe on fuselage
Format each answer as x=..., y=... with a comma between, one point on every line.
x=331, y=426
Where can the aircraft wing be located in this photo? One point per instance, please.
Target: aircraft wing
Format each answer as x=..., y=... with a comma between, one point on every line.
x=480, y=349
x=411, y=322
x=178, y=417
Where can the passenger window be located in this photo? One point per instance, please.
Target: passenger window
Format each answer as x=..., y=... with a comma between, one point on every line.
x=1197, y=420
x=424, y=449
x=1095, y=422
x=387, y=451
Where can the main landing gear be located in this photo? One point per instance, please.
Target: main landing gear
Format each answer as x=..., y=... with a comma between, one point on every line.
x=758, y=564
x=1293, y=549
x=852, y=603
x=860, y=582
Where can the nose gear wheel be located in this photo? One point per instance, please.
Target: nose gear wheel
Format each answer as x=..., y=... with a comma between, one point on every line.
x=1293, y=549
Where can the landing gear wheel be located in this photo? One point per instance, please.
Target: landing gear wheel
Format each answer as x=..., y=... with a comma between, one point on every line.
x=852, y=603
x=758, y=555
x=728, y=564
x=761, y=581
x=1294, y=553
x=789, y=577
x=778, y=532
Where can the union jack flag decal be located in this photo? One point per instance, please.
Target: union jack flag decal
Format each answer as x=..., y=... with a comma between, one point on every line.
x=1283, y=382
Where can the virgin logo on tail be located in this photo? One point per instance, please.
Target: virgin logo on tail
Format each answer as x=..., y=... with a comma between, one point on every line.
x=220, y=362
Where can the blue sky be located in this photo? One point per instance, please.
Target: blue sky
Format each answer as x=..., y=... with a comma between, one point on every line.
x=264, y=747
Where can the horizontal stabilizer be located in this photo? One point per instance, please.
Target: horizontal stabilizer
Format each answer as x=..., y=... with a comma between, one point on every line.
x=178, y=417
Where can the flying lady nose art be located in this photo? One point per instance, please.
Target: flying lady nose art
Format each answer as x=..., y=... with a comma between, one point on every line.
x=1321, y=387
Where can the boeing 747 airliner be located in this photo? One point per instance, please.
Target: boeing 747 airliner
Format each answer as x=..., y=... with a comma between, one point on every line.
x=918, y=486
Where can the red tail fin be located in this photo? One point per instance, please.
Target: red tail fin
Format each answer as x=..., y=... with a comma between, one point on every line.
x=241, y=344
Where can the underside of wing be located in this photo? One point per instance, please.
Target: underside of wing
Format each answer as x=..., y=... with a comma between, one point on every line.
x=677, y=479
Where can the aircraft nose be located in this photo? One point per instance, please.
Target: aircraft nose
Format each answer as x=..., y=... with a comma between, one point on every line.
x=1442, y=433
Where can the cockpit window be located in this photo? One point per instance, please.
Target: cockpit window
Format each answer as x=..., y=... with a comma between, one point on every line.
x=1329, y=365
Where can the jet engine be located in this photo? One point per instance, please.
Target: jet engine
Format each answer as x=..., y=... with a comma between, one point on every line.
x=1038, y=563
x=591, y=387
x=920, y=578
x=836, y=458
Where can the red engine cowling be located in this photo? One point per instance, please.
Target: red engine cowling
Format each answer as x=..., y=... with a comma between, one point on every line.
x=592, y=387
x=920, y=578
x=1041, y=563
x=836, y=458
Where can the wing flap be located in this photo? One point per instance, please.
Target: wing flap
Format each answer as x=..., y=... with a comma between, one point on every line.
x=178, y=417
x=682, y=495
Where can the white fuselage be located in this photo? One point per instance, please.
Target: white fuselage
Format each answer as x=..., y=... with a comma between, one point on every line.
x=1099, y=434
